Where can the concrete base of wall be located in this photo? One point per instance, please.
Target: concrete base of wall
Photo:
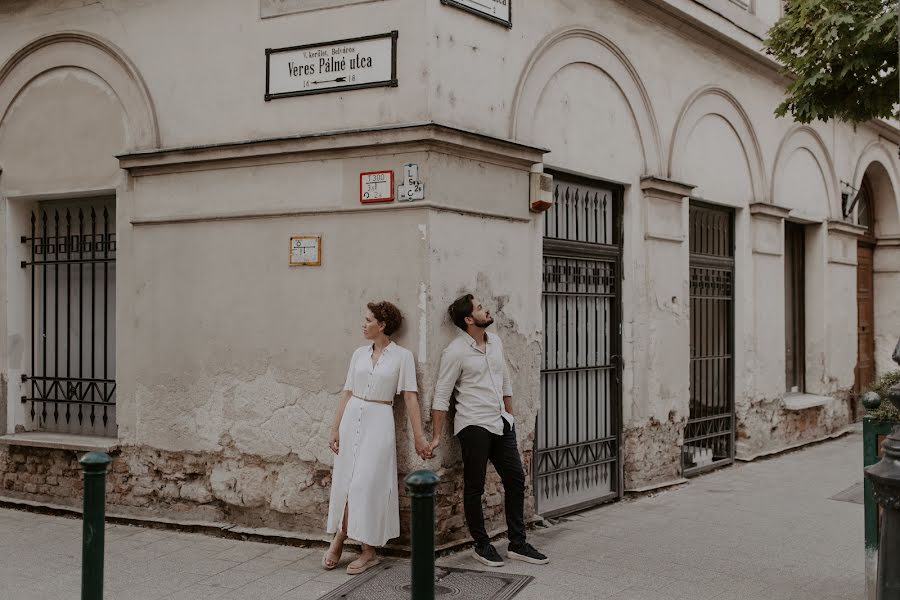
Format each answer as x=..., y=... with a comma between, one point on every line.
x=772, y=452
x=233, y=495
x=770, y=426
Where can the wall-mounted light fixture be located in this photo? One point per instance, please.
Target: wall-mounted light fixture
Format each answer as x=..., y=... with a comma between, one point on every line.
x=849, y=198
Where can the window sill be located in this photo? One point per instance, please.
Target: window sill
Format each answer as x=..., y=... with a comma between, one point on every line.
x=61, y=441
x=796, y=402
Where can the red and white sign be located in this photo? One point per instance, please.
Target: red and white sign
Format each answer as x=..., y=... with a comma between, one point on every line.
x=376, y=186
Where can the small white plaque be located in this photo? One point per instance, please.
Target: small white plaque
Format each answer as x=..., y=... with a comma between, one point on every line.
x=340, y=65
x=376, y=186
x=411, y=188
x=306, y=250
x=495, y=10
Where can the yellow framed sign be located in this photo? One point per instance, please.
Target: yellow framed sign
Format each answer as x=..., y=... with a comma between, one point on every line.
x=306, y=250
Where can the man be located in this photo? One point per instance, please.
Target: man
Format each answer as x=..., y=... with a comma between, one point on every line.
x=474, y=367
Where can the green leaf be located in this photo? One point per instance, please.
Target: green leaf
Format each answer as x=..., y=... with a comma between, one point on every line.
x=840, y=55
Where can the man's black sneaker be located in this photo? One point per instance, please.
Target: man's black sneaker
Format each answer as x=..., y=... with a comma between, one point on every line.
x=527, y=553
x=488, y=555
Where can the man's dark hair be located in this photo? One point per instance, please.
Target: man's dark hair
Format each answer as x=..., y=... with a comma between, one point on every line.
x=461, y=308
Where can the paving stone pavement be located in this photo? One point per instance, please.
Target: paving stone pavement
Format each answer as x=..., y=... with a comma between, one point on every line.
x=767, y=530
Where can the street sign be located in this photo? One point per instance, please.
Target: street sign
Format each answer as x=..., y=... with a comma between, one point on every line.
x=499, y=11
x=341, y=65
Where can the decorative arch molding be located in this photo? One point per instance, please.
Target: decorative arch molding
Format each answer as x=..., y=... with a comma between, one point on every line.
x=806, y=138
x=716, y=101
x=577, y=45
x=876, y=152
x=73, y=49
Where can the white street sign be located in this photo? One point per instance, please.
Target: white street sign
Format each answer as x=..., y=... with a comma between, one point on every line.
x=342, y=65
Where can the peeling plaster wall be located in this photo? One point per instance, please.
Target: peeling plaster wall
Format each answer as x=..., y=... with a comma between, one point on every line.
x=234, y=348
x=766, y=427
x=499, y=263
x=242, y=367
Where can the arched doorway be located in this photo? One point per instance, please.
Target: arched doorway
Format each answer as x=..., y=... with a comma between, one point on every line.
x=865, y=286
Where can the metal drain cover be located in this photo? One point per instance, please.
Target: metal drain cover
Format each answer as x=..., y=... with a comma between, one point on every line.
x=391, y=581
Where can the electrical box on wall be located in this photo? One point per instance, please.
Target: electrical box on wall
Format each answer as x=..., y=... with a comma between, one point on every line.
x=541, y=195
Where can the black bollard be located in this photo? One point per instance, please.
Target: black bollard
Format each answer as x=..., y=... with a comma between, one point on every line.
x=420, y=485
x=94, y=465
x=885, y=478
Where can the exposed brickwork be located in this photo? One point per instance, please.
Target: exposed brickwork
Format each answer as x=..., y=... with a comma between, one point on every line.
x=652, y=452
x=245, y=490
x=764, y=425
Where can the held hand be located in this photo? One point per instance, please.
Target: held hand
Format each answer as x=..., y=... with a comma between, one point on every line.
x=335, y=442
x=422, y=448
x=435, y=442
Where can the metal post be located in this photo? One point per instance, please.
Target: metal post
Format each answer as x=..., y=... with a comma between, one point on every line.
x=885, y=478
x=94, y=465
x=420, y=485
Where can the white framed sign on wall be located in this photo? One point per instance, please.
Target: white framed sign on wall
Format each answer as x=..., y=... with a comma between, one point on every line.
x=306, y=250
x=341, y=65
x=499, y=11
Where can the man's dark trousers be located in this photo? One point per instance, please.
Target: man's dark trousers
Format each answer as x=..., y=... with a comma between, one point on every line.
x=478, y=446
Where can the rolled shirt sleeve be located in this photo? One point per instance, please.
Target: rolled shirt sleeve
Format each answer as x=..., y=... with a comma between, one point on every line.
x=348, y=385
x=507, y=382
x=407, y=380
x=448, y=374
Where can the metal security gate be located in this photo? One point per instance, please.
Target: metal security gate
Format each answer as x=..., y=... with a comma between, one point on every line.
x=578, y=429
x=709, y=436
x=70, y=383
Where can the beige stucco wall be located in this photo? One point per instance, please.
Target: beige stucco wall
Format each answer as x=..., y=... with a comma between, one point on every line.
x=227, y=353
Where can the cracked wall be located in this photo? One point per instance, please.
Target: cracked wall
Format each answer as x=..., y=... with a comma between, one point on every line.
x=231, y=391
x=765, y=426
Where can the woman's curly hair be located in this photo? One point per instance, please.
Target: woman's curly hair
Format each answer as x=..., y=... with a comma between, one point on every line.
x=386, y=313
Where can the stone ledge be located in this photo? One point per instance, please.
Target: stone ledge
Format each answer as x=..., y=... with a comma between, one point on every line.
x=61, y=441
x=651, y=487
x=769, y=210
x=804, y=401
x=849, y=229
x=888, y=241
x=666, y=189
x=750, y=457
x=327, y=145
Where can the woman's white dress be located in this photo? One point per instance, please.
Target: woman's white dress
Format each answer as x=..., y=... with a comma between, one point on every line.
x=365, y=469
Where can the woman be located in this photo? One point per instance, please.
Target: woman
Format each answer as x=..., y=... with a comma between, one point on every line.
x=364, y=502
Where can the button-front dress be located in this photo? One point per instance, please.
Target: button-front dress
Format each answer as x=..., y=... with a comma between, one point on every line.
x=365, y=469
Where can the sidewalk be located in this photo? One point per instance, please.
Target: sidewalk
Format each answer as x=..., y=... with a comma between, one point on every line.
x=759, y=531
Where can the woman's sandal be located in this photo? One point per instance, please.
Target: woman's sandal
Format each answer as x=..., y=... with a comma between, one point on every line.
x=351, y=570
x=327, y=557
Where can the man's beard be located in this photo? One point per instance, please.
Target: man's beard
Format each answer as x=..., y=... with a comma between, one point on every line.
x=485, y=324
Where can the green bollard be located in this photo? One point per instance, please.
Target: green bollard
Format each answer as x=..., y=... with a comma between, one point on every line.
x=420, y=485
x=94, y=465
